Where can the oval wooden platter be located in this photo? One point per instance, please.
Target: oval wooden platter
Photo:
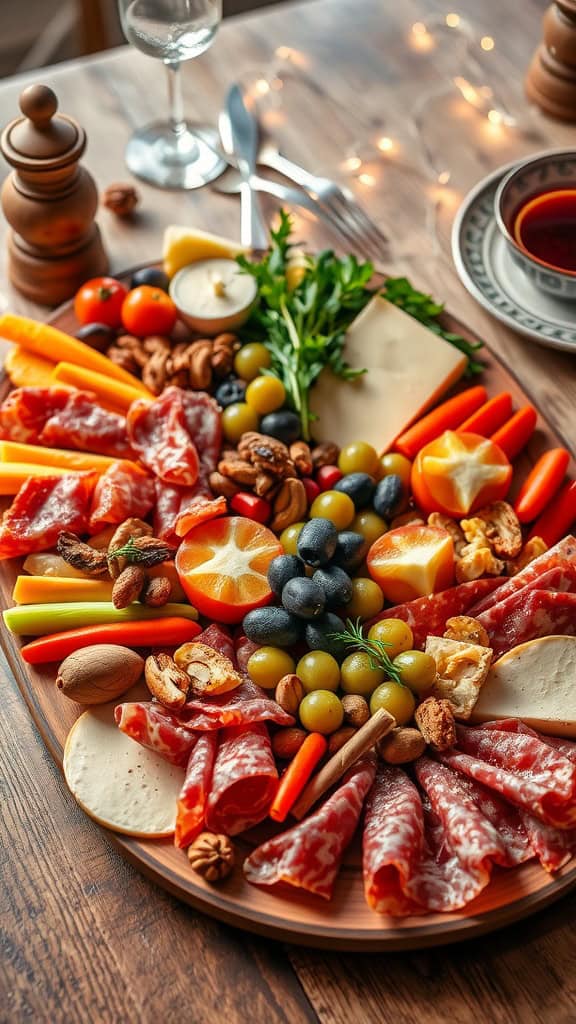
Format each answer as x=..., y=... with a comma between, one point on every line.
x=345, y=923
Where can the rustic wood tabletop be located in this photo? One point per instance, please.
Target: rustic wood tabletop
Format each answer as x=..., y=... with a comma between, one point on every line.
x=85, y=937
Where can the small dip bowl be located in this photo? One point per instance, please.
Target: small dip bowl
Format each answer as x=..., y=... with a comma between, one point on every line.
x=519, y=195
x=213, y=296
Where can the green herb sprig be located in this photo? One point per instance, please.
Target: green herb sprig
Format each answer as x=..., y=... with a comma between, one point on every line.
x=378, y=656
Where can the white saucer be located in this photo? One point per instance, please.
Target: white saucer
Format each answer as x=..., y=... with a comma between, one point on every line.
x=488, y=272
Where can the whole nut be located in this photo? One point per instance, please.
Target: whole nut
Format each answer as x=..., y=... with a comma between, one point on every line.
x=127, y=586
x=290, y=505
x=325, y=454
x=223, y=485
x=287, y=742
x=339, y=738
x=156, y=591
x=289, y=693
x=99, y=673
x=211, y=856
x=356, y=710
x=121, y=198
x=301, y=457
x=168, y=683
x=401, y=746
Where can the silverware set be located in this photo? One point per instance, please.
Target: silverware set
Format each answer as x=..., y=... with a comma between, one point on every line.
x=333, y=204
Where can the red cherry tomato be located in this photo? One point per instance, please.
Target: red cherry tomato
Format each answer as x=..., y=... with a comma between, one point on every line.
x=327, y=476
x=100, y=301
x=311, y=488
x=459, y=473
x=147, y=310
x=251, y=506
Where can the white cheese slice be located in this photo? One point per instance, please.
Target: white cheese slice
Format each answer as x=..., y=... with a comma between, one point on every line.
x=116, y=781
x=535, y=682
x=409, y=369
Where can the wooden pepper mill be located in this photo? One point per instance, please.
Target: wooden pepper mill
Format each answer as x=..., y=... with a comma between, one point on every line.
x=551, y=78
x=49, y=201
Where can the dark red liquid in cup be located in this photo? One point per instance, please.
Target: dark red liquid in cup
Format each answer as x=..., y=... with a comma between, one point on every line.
x=548, y=229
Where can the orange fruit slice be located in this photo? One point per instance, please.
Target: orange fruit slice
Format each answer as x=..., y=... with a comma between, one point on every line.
x=412, y=561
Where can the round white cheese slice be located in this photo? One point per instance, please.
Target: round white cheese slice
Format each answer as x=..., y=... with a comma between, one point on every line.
x=116, y=781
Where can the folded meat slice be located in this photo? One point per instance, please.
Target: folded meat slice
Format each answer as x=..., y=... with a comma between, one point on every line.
x=157, y=729
x=244, y=781
x=191, y=806
x=123, y=491
x=159, y=433
x=309, y=855
x=544, y=607
x=43, y=507
x=563, y=553
x=393, y=842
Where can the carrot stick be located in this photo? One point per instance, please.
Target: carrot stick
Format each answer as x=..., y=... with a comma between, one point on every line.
x=489, y=416
x=558, y=517
x=17, y=451
x=447, y=416
x=44, y=340
x=297, y=774
x=52, y=589
x=541, y=484
x=114, y=392
x=516, y=432
x=148, y=633
x=27, y=370
x=13, y=475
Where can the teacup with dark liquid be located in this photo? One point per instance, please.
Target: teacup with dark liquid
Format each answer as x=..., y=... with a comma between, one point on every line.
x=545, y=228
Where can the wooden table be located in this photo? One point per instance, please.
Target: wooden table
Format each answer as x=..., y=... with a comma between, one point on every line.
x=84, y=937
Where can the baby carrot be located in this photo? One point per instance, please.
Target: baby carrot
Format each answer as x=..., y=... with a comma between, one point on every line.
x=297, y=775
x=558, y=517
x=447, y=416
x=541, y=484
x=489, y=416
x=138, y=633
x=516, y=432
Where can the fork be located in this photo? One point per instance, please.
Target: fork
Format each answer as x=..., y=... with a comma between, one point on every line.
x=336, y=200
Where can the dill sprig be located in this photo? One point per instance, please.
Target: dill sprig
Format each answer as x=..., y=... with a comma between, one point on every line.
x=130, y=551
x=353, y=636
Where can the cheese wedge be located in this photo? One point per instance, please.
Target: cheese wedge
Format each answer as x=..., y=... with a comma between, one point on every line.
x=535, y=682
x=116, y=781
x=409, y=369
x=184, y=245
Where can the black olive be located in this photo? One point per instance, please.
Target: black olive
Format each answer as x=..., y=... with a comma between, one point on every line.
x=97, y=336
x=358, y=486
x=318, y=635
x=152, y=276
x=283, y=425
x=317, y=542
x=350, y=550
x=304, y=598
x=229, y=392
x=336, y=584
x=282, y=569
x=271, y=625
x=387, y=495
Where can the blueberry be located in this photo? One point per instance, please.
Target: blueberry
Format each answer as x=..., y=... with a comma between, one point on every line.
x=317, y=542
x=304, y=598
x=350, y=550
x=336, y=584
x=387, y=495
x=152, y=276
x=229, y=392
x=319, y=638
x=271, y=625
x=282, y=569
x=358, y=486
x=283, y=425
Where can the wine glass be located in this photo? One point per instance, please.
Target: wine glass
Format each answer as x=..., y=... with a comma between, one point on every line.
x=170, y=154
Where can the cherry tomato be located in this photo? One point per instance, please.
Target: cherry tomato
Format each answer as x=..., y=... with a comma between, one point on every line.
x=251, y=506
x=147, y=310
x=459, y=473
x=327, y=476
x=100, y=300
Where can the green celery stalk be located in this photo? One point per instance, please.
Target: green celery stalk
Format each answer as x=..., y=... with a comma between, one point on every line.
x=41, y=619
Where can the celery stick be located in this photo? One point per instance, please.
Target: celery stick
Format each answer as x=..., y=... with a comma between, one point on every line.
x=41, y=619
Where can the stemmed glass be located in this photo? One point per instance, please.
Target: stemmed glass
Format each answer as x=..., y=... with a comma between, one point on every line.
x=170, y=154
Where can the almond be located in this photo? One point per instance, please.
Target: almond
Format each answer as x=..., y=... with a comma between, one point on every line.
x=289, y=693
x=356, y=710
x=287, y=742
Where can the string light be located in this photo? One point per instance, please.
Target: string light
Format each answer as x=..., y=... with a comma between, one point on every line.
x=487, y=43
x=352, y=163
x=367, y=179
x=385, y=144
x=452, y=20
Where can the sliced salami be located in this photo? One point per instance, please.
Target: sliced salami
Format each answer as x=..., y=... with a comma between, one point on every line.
x=204, y=423
x=43, y=507
x=393, y=842
x=122, y=491
x=191, y=807
x=179, y=509
x=239, y=707
x=309, y=855
x=159, y=433
x=428, y=615
x=84, y=425
x=154, y=727
x=219, y=639
x=553, y=846
x=244, y=780
x=528, y=615
x=563, y=553
x=25, y=411
x=167, y=507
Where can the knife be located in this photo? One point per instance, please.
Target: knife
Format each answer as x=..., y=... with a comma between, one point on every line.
x=239, y=134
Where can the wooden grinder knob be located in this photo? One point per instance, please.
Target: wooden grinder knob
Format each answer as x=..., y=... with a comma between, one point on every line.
x=38, y=103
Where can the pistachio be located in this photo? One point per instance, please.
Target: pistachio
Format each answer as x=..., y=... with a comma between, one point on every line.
x=101, y=672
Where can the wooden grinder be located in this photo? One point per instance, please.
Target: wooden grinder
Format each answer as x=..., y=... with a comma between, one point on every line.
x=551, y=78
x=49, y=201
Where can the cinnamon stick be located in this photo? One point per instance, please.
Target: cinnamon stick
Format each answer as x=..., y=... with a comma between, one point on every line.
x=362, y=741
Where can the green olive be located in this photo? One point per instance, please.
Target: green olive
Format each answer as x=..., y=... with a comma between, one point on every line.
x=335, y=506
x=359, y=676
x=265, y=394
x=321, y=711
x=396, y=699
x=366, y=601
x=237, y=419
x=267, y=666
x=289, y=538
x=318, y=670
x=394, y=464
x=250, y=359
x=358, y=457
x=417, y=670
x=369, y=525
x=394, y=632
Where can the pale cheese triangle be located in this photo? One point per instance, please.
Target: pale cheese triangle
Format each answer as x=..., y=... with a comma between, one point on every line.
x=185, y=245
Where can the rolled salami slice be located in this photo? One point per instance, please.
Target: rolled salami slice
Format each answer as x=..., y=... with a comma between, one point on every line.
x=191, y=807
x=155, y=728
x=564, y=552
x=393, y=842
x=309, y=855
x=244, y=781
x=529, y=615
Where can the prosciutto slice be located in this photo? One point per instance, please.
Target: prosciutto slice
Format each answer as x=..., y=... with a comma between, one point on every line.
x=42, y=508
x=191, y=807
x=122, y=491
x=244, y=780
x=81, y=423
x=309, y=855
x=157, y=729
x=158, y=432
x=563, y=553
x=25, y=411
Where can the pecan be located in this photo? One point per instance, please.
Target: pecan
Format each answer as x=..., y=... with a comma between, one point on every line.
x=208, y=671
x=80, y=555
x=199, y=364
x=222, y=485
x=452, y=527
x=128, y=530
x=211, y=856
x=287, y=742
x=290, y=505
x=267, y=453
x=401, y=746
x=239, y=471
x=289, y=692
x=466, y=629
x=121, y=198
x=155, y=372
x=123, y=358
x=166, y=682
x=127, y=586
x=179, y=361
x=156, y=343
x=156, y=591
x=502, y=529
x=301, y=457
x=339, y=738
x=325, y=454
x=224, y=349
x=356, y=710
x=435, y=719
x=475, y=562
x=130, y=343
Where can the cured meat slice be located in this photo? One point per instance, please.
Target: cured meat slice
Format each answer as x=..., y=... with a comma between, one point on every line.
x=428, y=615
x=553, y=846
x=122, y=491
x=238, y=707
x=168, y=499
x=154, y=727
x=528, y=615
x=196, y=509
x=204, y=423
x=159, y=433
x=178, y=509
x=244, y=650
x=309, y=855
x=562, y=553
x=393, y=842
x=219, y=639
x=42, y=508
x=81, y=423
x=25, y=411
x=244, y=780
x=191, y=807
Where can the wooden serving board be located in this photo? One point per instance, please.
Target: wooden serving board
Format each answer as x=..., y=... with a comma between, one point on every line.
x=345, y=923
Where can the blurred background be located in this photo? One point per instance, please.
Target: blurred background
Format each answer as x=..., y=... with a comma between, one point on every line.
x=55, y=30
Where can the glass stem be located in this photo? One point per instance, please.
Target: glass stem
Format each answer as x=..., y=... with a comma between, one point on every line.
x=177, y=122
